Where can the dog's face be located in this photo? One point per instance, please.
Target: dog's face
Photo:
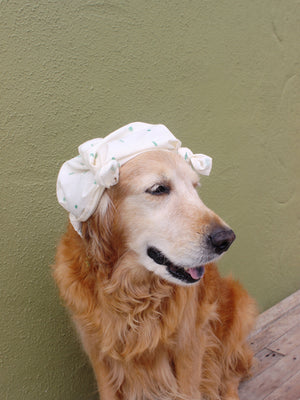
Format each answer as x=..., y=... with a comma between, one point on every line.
x=163, y=219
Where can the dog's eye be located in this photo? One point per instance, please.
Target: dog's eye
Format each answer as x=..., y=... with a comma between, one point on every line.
x=158, y=190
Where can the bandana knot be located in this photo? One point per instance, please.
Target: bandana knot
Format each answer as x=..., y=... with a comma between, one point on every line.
x=108, y=175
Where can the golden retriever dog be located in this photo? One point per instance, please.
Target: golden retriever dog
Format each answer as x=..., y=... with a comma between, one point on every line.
x=156, y=319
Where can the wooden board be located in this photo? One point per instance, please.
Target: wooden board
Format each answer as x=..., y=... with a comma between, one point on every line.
x=276, y=345
x=288, y=391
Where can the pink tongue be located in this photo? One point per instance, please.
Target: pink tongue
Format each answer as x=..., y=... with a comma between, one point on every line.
x=195, y=273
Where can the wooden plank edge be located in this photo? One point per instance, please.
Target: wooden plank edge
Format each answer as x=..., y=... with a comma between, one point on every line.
x=275, y=312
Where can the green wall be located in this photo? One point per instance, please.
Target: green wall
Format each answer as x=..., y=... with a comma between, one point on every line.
x=224, y=76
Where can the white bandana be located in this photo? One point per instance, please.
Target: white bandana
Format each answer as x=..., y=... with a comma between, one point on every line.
x=83, y=179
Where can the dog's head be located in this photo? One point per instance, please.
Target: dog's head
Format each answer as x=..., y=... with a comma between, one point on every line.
x=161, y=219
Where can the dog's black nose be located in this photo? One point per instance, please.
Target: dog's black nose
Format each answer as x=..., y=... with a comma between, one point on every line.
x=221, y=240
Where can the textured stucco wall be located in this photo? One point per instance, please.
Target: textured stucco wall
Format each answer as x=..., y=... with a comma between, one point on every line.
x=224, y=76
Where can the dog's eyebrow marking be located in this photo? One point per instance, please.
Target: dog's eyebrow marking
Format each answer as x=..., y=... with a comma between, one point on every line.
x=158, y=179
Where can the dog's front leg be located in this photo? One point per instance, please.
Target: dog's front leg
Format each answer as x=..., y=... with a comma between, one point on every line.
x=105, y=388
x=232, y=391
x=188, y=373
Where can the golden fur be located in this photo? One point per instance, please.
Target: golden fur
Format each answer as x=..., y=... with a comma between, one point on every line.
x=147, y=337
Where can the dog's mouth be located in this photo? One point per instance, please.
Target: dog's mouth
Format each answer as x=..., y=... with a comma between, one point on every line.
x=189, y=275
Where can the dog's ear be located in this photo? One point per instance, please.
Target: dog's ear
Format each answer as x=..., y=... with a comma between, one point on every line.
x=98, y=234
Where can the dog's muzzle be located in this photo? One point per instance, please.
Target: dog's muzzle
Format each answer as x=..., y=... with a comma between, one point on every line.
x=190, y=275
